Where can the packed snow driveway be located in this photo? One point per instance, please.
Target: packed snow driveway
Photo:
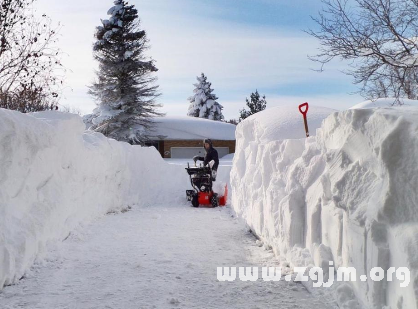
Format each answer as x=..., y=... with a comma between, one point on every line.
x=155, y=257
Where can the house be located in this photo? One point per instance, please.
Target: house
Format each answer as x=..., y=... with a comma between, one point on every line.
x=182, y=136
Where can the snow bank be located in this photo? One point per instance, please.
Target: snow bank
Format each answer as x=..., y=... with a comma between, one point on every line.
x=282, y=122
x=386, y=102
x=54, y=176
x=348, y=195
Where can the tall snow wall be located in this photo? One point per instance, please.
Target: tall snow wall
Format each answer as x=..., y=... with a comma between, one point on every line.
x=55, y=176
x=347, y=195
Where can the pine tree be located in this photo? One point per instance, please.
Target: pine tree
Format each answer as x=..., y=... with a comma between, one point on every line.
x=125, y=89
x=203, y=103
x=256, y=105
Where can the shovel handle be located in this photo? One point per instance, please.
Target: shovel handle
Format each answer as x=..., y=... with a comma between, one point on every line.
x=304, y=112
x=305, y=106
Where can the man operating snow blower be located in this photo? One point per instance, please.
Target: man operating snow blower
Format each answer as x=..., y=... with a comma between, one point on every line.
x=202, y=178
x=211, y=154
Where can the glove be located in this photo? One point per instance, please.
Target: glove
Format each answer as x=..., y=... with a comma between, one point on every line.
x=214, y=173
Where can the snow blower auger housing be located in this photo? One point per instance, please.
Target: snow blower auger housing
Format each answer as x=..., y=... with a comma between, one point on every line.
x=202, y=193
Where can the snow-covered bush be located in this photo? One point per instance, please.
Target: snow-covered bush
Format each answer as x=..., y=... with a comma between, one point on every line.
x=54, y=176
x=347, y=195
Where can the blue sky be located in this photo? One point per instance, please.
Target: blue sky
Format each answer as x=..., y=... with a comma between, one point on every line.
x=240, y=45
x=262, y=13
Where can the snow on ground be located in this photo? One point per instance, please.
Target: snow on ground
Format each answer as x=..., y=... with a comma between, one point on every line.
x=151, y=250
x=387, y=102
x=54, y=176
x=347, y=195
x=228, y=157
x=156, y=256
x=281, y=122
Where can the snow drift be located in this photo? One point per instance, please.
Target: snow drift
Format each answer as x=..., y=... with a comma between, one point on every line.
x=348, y=195
x=54, y=176
x=279, y=123
x=385, y=102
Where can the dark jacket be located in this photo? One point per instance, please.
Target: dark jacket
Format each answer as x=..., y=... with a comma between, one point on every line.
x=211, y=154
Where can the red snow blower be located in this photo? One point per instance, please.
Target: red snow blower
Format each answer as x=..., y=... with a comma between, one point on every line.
x=202, y=193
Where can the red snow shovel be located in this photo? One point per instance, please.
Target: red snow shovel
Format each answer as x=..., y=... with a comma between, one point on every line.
x=304, y=112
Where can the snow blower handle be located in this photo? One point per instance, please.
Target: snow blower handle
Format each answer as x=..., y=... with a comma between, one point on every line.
x=304, y=112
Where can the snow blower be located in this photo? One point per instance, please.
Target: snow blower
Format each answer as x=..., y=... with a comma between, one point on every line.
x=202, y=193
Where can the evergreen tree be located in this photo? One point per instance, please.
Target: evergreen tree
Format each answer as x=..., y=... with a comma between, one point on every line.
x=203, y=103
x=256, y=105
x=125, y=88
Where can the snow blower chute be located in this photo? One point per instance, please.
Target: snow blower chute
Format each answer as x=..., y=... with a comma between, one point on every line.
x=202, y=193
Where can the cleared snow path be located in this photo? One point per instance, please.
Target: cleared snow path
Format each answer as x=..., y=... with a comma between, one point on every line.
x=155, y=257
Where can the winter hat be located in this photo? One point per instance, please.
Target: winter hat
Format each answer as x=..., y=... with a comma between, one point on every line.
x=207, y=140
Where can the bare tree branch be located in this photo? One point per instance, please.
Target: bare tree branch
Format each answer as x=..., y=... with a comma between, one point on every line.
x=30, y=66
x=380, y=37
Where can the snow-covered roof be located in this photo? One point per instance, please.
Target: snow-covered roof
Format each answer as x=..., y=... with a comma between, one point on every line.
x=191, y=128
